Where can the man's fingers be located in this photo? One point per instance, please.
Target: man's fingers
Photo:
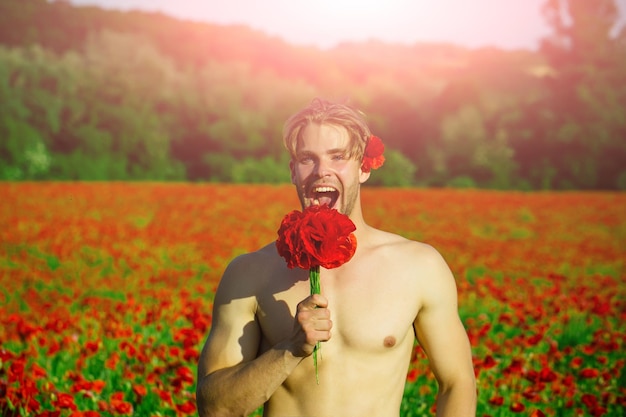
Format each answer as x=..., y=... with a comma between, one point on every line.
x=313, y=301
x=312, y=324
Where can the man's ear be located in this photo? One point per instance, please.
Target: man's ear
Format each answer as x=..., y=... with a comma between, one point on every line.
x=363, y=176
x=291, y=170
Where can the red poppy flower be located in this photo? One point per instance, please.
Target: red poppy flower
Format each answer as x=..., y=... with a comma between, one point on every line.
x=185, y=374
x=16, y=370
x=191, y=354
x=164, y=395
x=140, y=390
x=590, y=400
x=517, y=407
x=98, y=385
x=186, y=408
x=122, y=407
x=489, y=362
x=38, y=371
x=102, y=405
x=92, y=347
x=589, y=373
x=64, y=401
x=497, y=400
x=5, y=355
x=373, y=156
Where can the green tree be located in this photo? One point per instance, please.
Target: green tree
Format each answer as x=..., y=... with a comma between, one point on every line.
x=24, y=153
x=583, y=121
x=129, y=82
x=260, y=171
x=471, y=148
x=398, y=171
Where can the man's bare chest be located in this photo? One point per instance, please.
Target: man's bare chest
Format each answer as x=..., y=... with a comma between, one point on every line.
x=370, y=313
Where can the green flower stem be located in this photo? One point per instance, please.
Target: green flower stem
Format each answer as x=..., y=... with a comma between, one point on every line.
x=314, y=280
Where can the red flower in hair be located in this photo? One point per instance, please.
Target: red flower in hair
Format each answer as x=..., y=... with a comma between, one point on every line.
x=373, y=156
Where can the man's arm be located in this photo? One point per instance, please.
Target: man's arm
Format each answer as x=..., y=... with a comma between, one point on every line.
x=232, y=380
x=441, y=334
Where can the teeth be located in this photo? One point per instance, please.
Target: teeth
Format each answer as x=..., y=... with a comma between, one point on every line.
x=324, y=190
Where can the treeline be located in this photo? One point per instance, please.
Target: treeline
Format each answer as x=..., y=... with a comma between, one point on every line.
x=93, y=94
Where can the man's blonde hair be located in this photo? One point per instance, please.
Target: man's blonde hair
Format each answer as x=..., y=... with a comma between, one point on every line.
x=321, y=111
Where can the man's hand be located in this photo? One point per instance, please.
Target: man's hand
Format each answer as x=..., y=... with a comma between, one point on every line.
x=312, y=324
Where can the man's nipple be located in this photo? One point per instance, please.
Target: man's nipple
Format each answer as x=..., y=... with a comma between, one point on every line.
x=389, y=341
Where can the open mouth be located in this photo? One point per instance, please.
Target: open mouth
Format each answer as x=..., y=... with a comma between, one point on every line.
x=325, y=195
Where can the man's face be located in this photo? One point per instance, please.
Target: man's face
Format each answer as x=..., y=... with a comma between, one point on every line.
x=321, y=170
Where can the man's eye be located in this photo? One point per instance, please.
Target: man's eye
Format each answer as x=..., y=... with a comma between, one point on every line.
x=305, y=160
x=339, y=157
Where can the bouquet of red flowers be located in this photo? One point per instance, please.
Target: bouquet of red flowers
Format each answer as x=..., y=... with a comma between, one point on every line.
x=317, y=236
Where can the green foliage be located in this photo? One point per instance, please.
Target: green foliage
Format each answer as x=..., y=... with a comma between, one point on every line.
x=24, y=154
x=577, y=331
x=621, y=181
x=91, y=94
x=264, y=170
x=398, y=171
x=586, y=93
x=462, y=182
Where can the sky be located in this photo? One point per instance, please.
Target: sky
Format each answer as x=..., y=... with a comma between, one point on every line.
x=508, y=24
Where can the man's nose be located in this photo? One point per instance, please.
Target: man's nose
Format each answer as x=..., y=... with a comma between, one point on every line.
x=323, y=168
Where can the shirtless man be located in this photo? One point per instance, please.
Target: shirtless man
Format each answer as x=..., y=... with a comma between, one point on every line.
x=265, y=323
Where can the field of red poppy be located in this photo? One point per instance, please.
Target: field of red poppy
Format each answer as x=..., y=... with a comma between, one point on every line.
x=106, y=291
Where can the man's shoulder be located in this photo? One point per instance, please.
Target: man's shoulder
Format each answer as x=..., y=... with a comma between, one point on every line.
x=251, y=271
x=260, y=259
x=402, y=246
x=409, y=254
x=264, y=253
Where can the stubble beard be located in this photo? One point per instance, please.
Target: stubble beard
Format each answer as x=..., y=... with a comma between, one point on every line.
x=348, y=199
